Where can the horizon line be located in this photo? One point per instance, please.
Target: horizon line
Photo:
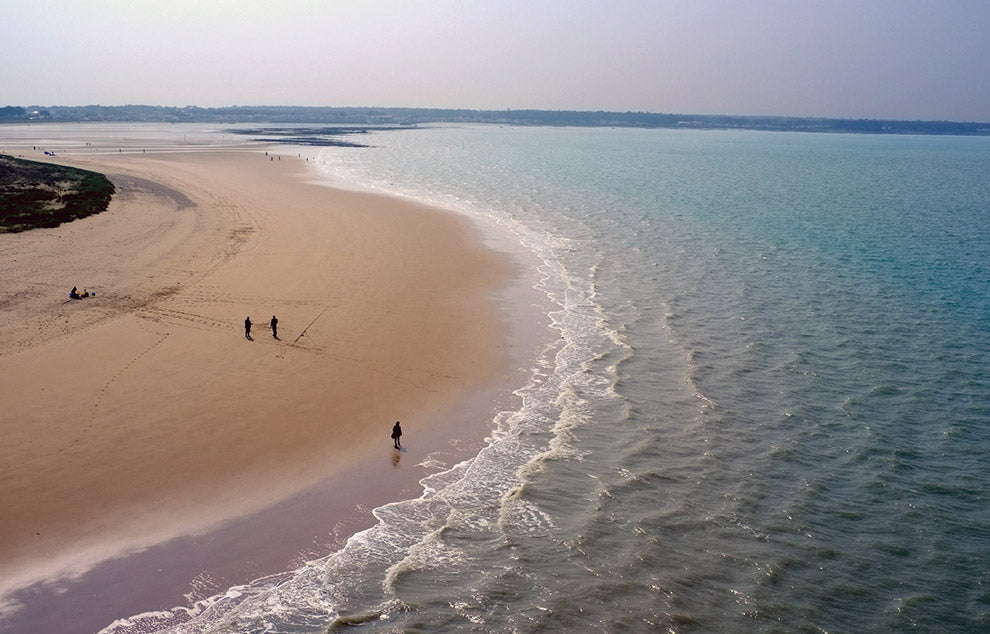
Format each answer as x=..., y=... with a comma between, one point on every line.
x=510, y=110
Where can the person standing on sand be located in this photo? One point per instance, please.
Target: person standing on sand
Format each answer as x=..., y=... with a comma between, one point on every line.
x=396, y=434
x=247, y=327
x=274, y=323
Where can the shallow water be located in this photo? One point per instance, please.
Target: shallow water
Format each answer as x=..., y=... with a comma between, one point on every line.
x=767, y=409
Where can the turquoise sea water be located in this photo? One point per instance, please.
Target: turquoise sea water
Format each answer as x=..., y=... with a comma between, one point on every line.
x=768, y=409
x=772, y=410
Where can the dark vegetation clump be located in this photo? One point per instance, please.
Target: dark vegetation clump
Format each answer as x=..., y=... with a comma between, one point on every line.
x=34, y=194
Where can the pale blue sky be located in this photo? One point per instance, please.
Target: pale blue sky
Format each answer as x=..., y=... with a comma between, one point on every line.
x=903, y=59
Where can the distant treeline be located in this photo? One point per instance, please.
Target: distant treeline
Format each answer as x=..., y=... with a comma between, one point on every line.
x=416, y=116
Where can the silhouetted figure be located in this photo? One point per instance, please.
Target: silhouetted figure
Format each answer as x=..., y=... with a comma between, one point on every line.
x=247, y=327
x=274, y=323
x=74, y=294
x=396, y=434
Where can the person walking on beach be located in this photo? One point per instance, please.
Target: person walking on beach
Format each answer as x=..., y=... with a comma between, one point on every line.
x=274, y=323
x=396, y=434
x=247, y=327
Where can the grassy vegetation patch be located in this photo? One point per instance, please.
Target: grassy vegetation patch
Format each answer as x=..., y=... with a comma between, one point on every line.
x=34, y=194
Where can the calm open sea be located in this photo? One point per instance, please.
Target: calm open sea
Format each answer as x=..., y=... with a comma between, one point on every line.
x=768, y=410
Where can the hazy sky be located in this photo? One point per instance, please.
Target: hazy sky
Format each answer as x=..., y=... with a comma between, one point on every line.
x=903, y=59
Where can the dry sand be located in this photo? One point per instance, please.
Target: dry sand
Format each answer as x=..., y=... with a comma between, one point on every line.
x=144, y=413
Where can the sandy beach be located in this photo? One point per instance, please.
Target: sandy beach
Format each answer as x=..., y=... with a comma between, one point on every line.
x=144, y=414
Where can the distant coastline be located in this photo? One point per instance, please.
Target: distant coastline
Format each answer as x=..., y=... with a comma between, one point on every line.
x=369, y=116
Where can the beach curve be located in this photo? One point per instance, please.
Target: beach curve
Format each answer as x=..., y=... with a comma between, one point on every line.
x=143, y=413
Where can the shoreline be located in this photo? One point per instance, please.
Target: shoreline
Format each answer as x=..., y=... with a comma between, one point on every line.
x=413, y=344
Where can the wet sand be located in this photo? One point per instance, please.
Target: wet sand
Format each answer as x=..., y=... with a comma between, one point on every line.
x=143, y=428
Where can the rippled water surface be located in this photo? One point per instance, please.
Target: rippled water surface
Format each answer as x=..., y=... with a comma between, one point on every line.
x=768, y=411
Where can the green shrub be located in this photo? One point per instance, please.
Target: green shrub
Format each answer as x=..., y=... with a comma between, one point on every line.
x=34, y=194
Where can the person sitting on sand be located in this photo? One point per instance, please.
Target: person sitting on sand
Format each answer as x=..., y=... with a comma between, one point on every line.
x=396, y=434
x=74, y=294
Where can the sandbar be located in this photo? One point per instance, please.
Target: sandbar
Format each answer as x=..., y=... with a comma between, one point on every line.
x=144, y=414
